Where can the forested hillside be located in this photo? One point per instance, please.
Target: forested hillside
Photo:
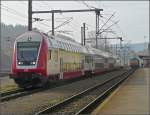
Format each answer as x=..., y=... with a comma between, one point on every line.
x=8, y=35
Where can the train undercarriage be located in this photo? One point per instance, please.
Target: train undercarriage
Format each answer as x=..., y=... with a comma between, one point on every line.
x=28, y=80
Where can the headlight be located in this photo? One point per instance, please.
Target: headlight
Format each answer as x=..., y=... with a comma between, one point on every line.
x=33, y=63
x=20, y=63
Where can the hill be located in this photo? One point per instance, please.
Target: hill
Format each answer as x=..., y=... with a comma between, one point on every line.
x=8, y=36
x=139, y=46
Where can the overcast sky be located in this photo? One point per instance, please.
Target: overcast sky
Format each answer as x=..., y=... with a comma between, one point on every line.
x=133, y=16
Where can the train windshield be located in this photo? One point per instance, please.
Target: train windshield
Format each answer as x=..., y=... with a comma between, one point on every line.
x=27, y=52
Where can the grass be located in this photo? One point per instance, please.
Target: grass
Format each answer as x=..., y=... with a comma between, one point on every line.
x=7, y=88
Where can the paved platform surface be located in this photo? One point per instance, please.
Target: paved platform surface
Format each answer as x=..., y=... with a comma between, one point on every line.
x=132, y=97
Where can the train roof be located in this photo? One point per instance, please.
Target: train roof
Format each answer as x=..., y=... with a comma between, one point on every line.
x=72, y=45
x=69, y=44
x=57, y=42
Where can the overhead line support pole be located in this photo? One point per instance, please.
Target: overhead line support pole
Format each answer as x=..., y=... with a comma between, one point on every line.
x=120, y=51
x=53, y=23
x=67, y=11
x=149, y=46
x=81, y=35
x=29, y=15
x=97, y=26
x=84, y=34
x=96, y=31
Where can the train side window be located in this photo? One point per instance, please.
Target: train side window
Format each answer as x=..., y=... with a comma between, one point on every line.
x=56, y=56
x=49, y=54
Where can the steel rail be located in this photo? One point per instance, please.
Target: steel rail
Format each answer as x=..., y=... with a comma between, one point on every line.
x=91, y=106
x=13, y=94
x=19, y=94
x=6, y=93
x=76, y=96
x=6, y=96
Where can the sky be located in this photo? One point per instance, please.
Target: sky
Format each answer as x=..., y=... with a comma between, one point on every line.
x=133, y=17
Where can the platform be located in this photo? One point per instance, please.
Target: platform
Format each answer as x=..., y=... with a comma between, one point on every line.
x=132, y=97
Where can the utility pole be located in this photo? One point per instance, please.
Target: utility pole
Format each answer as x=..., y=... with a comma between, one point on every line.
x=29, y=15
x=121, y=50
x=53, y=23
x=81, y=35
x=149, y=46
x=84, y=37
x=116, y=50
x=0, y=49
x=149, y=51
x=124, y=55
x=105, y=44
x=97, y=26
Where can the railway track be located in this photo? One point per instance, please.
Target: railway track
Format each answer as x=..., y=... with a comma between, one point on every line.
x=17, y=93
x=6, y=93
x=85, y=101
x=13, y=94
x=6, y=96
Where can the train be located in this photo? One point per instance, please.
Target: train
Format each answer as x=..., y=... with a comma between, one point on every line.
x=134, y=62
x=39, y=58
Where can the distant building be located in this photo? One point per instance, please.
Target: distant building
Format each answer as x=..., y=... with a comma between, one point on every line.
x=145, y=57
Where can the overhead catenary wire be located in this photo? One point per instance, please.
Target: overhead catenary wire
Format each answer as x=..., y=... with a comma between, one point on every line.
x=13, y=11
x=109, y=27
x=117, y=25
x=21, y=15
x=57, y=19
x=86, y=4
x=14, y=16
x=106, y=21
x=71, y=23
x=64, y=23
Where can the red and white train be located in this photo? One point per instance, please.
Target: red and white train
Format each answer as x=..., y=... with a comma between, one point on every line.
x=38, y=58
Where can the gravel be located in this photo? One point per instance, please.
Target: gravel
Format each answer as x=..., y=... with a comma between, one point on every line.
x=30, y=104
x=77, y=104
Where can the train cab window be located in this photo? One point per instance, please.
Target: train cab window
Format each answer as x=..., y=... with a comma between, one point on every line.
x=27, y=53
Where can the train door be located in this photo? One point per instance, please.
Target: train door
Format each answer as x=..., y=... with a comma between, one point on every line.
x=82, y=65
x=61, y=68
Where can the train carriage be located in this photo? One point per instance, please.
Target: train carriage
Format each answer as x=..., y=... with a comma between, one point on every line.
x=38, y=58
x=134, y=62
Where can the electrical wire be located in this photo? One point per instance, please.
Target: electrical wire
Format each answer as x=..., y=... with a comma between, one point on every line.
x=109, y=27
x=64, y=23
x=86, y=4
x=13, y=11
x=107, y=21
x=118, y=27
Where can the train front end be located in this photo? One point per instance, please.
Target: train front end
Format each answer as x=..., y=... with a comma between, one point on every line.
x=29, y=61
